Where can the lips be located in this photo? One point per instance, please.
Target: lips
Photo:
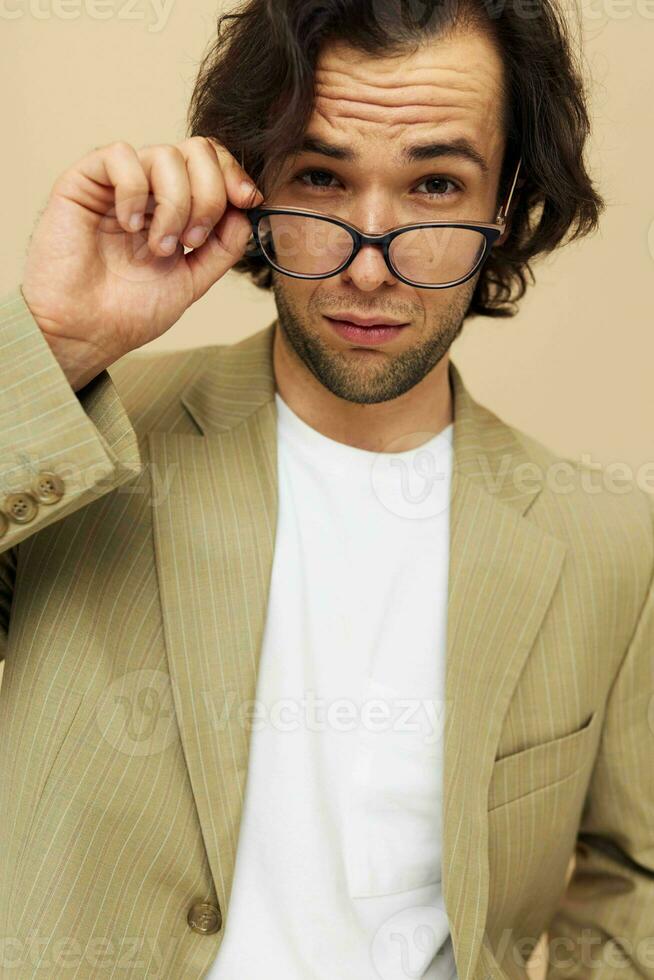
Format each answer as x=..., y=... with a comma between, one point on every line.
x=365, y=322
x=371, y=335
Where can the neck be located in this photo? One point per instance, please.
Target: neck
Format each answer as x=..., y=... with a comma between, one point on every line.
x=398, y=425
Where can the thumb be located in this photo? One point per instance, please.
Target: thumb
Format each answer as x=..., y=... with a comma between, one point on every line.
x=222, y=250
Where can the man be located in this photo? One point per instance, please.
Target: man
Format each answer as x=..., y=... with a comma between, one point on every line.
x=314, y=666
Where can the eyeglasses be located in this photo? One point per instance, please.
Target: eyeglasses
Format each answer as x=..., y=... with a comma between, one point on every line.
x=308, y=244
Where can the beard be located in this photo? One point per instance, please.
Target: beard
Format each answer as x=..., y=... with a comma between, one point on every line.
x=369, y=381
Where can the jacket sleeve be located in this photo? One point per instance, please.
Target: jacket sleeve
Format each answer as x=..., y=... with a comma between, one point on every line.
x=604, y=926
x=59, y=450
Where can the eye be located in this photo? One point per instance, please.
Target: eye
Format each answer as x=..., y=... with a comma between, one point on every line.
x=323, y=178
x=440, y=183
x=320, y=180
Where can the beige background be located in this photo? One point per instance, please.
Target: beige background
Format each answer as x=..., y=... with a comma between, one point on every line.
x=574, y=369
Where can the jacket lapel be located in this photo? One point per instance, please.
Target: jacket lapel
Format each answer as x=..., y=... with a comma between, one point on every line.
x=214, y=541
x=503, y=572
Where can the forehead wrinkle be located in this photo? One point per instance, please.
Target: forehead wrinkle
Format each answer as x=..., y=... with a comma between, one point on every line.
x=427, y=92
x=459, y=77
x=331, y=110
x=424, y=77
x=402, y=100
x=411, y=103
x=393, y=126
x=405, y=90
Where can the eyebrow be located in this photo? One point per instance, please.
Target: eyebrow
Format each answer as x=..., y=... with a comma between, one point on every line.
x=419, y=152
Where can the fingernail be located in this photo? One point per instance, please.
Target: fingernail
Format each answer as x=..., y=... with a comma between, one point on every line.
x=196, y=236
x=249, y=189
x=169, y=243
x=136, y=221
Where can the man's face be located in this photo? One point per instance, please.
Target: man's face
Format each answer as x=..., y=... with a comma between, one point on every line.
x=374, y=109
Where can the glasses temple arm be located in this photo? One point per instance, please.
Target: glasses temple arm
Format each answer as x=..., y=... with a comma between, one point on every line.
x=504, y=210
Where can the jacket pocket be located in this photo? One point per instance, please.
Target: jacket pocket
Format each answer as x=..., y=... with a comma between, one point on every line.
x=521, y=773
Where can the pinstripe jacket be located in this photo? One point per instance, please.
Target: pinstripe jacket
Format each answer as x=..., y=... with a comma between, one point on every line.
x=131, y=618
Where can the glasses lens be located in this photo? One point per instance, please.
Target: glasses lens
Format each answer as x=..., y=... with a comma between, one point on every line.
x=436, y=256
x=304, y=245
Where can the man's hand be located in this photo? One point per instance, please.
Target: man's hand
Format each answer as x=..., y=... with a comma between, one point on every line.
x=106, y=270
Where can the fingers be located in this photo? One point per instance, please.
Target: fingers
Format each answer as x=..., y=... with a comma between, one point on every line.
x=240, y=189
x=191, y=184
x=221, y=251
x=165, y=168
x=215, y=181
x=118, y=166
x=208, y=194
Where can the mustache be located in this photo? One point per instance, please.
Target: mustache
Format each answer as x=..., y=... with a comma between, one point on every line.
x=401, y=315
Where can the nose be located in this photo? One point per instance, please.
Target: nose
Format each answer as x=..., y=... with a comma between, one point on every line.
x=369, y=270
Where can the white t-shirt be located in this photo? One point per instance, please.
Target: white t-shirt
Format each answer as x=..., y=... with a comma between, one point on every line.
x=338, y=867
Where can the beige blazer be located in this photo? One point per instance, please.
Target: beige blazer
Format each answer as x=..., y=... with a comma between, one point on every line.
x=132, y=607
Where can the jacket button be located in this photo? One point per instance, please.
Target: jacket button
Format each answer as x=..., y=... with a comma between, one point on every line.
x=21, y=507
x=205, y=919
x=4, y=525
x=48, y=488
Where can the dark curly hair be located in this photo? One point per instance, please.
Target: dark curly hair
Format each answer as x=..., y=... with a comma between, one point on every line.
x=255, y=93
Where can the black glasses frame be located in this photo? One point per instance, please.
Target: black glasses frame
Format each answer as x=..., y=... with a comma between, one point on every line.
x=491, y=231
